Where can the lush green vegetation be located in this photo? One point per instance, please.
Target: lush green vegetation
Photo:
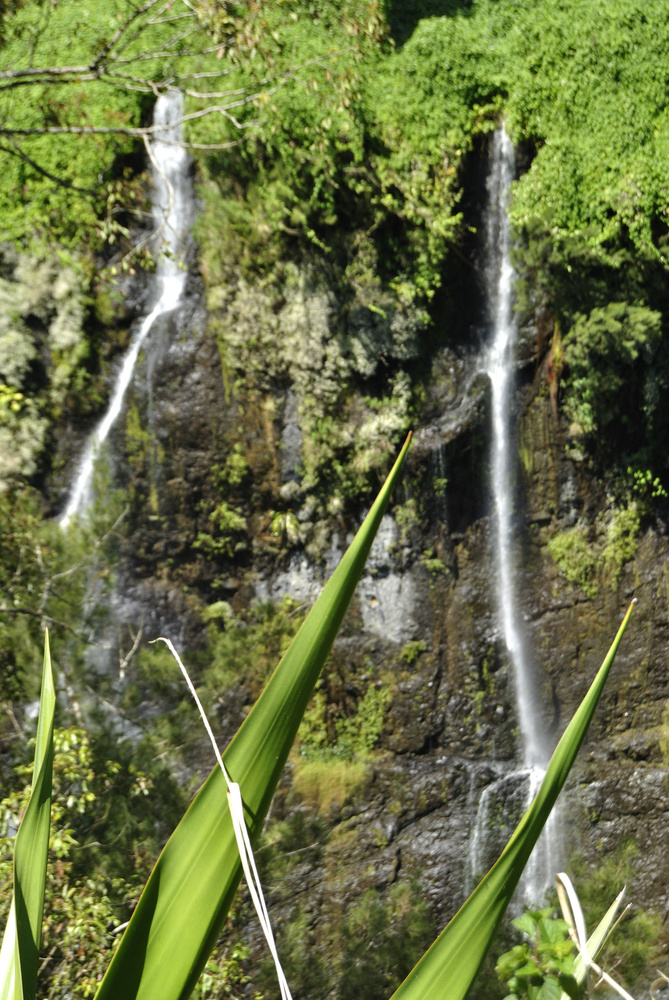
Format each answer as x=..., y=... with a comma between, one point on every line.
x=105, y=836
x=340, y=138
x=336, y=185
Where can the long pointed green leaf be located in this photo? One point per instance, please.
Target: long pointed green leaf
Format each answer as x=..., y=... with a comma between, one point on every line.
x=448, y=969
x=187, y=897
x=23, y=934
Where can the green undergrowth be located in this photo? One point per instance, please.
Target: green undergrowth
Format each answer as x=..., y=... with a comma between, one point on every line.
x=384, y=933
x=247, y=648
x=104, y=836
x=369, y=944
x=377, y=940
x=44, y=574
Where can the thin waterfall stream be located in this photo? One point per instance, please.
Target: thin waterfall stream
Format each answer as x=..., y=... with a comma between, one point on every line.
x=172, y=204
x=511, y=792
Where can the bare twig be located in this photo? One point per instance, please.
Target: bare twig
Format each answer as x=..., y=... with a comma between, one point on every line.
x=15, y=722
x=663, y=981
x=123, y=661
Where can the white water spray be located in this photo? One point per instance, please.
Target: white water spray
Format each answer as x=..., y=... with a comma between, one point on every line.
x=171, y=205
x=519, y=787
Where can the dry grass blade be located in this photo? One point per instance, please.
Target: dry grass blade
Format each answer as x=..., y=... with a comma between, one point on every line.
x=573, y=915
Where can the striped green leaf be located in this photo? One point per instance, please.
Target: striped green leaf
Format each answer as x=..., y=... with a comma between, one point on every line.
x=187, y=897
x=19, y=955
x=447, y=971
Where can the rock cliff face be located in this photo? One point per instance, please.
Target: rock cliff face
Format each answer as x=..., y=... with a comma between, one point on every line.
x=423, y=626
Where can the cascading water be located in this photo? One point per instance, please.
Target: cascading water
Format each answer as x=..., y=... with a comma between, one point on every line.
x=499, y=276
x=171, y=210
x=510, y=793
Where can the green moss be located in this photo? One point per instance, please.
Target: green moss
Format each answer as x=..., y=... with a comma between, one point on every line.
x=322, y=783
x=577, y=558
x=526, y=457
x=408, y=516
x=663, y=737
x=228, y=536
x=621, y=540
x=138, y=440
x=236, y=468
x=432, y=563
x=412, y=651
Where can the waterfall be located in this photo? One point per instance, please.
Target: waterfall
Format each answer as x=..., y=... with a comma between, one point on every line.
x=171, y=212
x=510, y=793
x=499, y=277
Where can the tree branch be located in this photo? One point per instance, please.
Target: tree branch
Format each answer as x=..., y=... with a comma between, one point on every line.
x=48, y=619
x=15, y=151
x=106, y=49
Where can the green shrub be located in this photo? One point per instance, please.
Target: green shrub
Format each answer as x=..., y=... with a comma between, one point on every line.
x=383, y=937
x=543, y=965
x=602, y=351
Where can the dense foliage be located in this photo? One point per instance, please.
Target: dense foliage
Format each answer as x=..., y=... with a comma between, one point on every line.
x=543, y=965
x=342, y=138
